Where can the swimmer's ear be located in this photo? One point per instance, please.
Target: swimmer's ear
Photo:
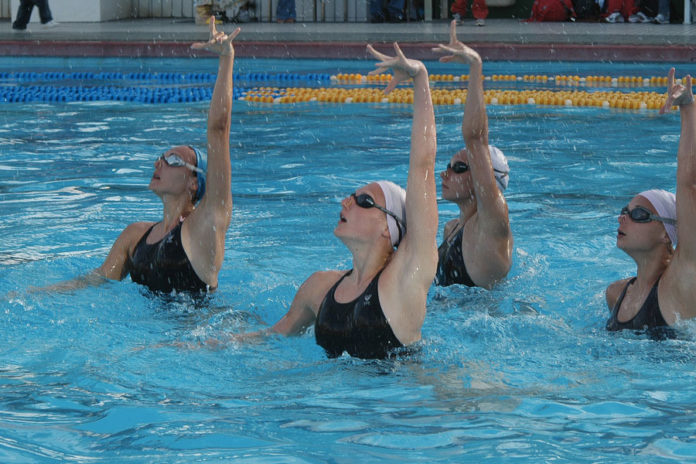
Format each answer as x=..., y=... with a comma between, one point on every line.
x=385, y=232
x=666, y=240
x=193, y=187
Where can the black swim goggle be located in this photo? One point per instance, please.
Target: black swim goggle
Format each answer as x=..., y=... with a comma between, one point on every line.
x=175, y=161
x=366, y=201
x=640, y=214
x=458, y=167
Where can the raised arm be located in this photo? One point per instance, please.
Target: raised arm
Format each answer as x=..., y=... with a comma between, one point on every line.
x=411, y=271
x=682, y=96
x=203, y=234
x=679, y=292
x=490, y=256
x=475, y=132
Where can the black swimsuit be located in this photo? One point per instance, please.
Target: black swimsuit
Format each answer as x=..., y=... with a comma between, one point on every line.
x=450, y=267
x=164, y=266
x=358, y=327
x=649, y=317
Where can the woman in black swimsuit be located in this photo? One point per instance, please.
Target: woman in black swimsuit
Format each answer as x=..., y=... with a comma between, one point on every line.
x=477, y=249
x=183, y=251
x=379, y=304
x=654, y=221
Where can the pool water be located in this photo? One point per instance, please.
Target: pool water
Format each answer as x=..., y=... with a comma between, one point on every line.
x=523, y=373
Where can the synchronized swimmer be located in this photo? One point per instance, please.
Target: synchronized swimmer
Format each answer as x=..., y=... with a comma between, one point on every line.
x=379, y=305
x=184, y=251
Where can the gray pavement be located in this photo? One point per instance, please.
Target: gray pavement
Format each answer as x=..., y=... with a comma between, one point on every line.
x=495, y=31
x=660, y=42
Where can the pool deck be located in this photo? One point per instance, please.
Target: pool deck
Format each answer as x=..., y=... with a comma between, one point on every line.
x=500, y=39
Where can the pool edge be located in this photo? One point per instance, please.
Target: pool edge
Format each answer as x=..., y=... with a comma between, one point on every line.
x=348, y=50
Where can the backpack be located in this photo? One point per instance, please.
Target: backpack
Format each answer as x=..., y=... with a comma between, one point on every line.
x=552, y=10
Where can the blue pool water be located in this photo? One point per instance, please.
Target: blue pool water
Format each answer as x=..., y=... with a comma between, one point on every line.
x=523, y=373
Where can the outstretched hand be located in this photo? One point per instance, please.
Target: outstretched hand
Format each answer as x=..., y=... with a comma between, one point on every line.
x=402, y=67
x=458, y=52
x=219, y=42
x=677, y=94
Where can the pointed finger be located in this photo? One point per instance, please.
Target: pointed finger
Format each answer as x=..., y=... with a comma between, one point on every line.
x=670, y=79
x=453, y=31
x=399, y=53
x=687, y=78
x=444, y=49
x=211, y=21
x=379, y=70
x=376, y=54
x=234, y=33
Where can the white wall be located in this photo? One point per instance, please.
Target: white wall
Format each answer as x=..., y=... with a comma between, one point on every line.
x=81, y=10
x=5, y=9
x=163, y=8
x=105, y=10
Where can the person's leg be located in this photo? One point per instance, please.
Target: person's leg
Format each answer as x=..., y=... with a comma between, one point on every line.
x=629, y=8
x=285, y=10
x=663, y=11
x=376, y=11
x=613, y=6
x=458, y=9
x=23, y=14
x=44, y=11
x=613, y=12
x=479, y=9
x=395, y=8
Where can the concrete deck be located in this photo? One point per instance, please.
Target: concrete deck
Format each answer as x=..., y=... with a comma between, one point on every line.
x=500, y=39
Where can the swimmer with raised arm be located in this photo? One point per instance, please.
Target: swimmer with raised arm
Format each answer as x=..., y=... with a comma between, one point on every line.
x=379, y=304
x=650, y=226
x=477, y=246
x=183, y=251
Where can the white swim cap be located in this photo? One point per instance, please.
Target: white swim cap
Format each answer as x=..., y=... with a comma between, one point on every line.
x=501, y=170
x=395, y=202
x=665, y=203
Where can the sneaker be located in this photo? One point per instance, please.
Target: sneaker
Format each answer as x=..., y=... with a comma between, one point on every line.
x=480, y=22
x=49, y=24
x=18, y=30
x=660, y=19
x=457, y=17
x=639, y=18
x=615, y=17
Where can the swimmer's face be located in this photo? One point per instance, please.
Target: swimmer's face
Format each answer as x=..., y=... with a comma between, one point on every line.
x=360, y=223
x=174, y=180
x=640, y=236
x=456, y=179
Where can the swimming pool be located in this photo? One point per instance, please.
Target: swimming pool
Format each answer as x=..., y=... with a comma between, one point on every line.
x=523, y=373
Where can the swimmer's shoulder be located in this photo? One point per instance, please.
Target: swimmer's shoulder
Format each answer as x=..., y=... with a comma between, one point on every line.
x=317, y=285
x=138, y=228
x=322, y=281
x=115, y=264
x=614, y=290
x=132, y=234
